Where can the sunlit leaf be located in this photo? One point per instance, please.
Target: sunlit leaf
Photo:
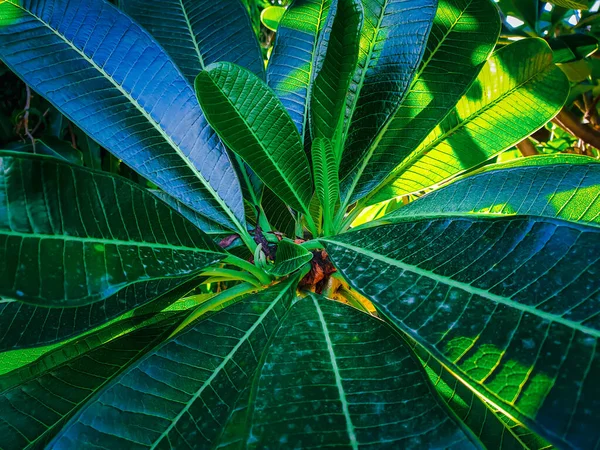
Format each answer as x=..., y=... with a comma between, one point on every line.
x=123, y=90
x=254, y=124
x=517, y=92
x=508, y=304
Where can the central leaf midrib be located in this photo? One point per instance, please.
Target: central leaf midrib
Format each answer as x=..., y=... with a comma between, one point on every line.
x=468, y=288
x=221, y=366
x=95, y=240
x=338, y=379
x=261, y=146
x=192, y=35
x=156, y=126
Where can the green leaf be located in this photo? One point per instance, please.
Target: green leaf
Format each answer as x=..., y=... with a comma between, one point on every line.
x=184, y=390
x=289, y=258
x=24, y=326
x=50, y=146
x=295, y=59
x=572, y=47
x=123, y=90
x=326, y=178
x=72, y=237
x=198, y=33
x=271, y=17
x=279, y=215
x=509, y=305
x=562, y=186
x=463, y=36
x=517, y=92
x=334, y=376
x=572, y=4
x=253, y=123
x=204, y=224
x=527, y=10
x=487, y=424
x=392, y=43
x=330, y=91
x=36, y=401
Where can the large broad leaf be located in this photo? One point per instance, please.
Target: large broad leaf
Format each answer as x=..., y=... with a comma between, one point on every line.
x=563, y=186
x=37, y=400
x=509, y=305
x=330, y=91
x=517, y=92
x=294, y=61
x=254, y=124
x=198, y=33
x=279, y=215
x=335, y=377
x=463, y=35
x=72, y=237
x=106, y=74
x=393, y=40
x=326, y=178
x=184, y=391
x=23, y=325
x=572, y=4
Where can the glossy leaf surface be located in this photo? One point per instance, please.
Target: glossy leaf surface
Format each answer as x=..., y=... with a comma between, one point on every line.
x=508, y=304
x=294, y=61
x=463, y=35
x=563, y=186
x=487, y=119
x=337, y=377
x=393, y=39
x=254, y=124
x=330, y=90
x=23, y=325
x=71, y=236
x=198, y=33
x=36, y=401
x=183, y=391
x=290, y=257
x=121, y=88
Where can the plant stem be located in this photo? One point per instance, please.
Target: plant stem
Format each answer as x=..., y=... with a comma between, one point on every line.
x=312, y=245
x=218, y=300
x=260, y=275
x=312, y=227
x=232, y=275
x=527, y=148
x=566, y=120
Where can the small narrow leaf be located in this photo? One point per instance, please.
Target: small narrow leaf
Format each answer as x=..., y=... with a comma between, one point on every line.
x=290, y=257
x=330, y=91
x=294, y=62
x=326, y=178
x=254, y=124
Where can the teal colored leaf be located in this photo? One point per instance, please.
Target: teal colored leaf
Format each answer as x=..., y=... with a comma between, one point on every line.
x=23, y=325
x=393, y=40
x=253, y=123
x=204, y=224
x=335, y=377
x=562, y=186
x=330, y=91
x=183, y=391
x=509, y=305
x=37, y=400
x=196, y=33
x=518, y=91
x=122, y=90
x=289, y=258
x=294, y=62
x=72, y=237
x=462, y=37
x=49, y=146
x=326, y=178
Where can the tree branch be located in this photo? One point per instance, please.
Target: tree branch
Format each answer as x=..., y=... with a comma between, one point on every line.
x=569, y=122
